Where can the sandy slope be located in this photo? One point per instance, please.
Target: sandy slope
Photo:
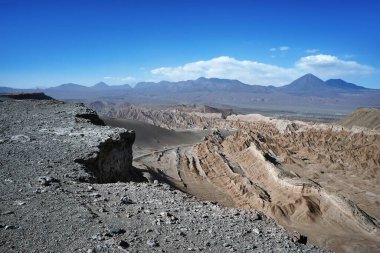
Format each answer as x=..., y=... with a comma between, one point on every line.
x=363, y=117
x=150, y=138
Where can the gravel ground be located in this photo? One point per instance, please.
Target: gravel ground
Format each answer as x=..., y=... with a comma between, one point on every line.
x=48, y=205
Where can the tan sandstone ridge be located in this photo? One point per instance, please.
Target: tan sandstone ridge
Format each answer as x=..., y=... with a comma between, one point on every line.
x=175, y=117
x=320, y=180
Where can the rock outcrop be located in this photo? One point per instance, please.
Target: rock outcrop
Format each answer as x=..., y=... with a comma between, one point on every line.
x=113, y=161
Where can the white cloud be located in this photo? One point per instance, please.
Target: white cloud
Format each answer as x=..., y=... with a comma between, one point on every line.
x=253, y=72
x=329, y=66
x=273, y=49
x=312, y=51
x=283, y=48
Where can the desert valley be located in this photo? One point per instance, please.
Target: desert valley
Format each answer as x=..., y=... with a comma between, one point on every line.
x=311, y=171
x=189, y=126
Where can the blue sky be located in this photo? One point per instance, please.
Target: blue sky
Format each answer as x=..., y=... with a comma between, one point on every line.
x=46, y=43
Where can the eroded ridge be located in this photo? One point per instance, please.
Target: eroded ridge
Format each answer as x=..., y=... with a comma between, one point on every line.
x=261, y=169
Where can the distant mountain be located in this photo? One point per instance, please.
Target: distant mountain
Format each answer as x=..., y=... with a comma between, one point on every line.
x=307, y=92
x=7, y=90
x=340, y=84
x=308, y=85
x=71, y=91
x=13, y=90
x=100, y=85
x=200, y=85
x=68, y=86
x=105, y=87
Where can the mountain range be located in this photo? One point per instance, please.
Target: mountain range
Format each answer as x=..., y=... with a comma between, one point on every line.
x=306, y=91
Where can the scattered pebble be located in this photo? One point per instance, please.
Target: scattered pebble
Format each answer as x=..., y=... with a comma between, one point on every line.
x=95, y=195
x=152, y=243
x=125, y=201
x=123, y=244
x=19, y=203
x=116, y=230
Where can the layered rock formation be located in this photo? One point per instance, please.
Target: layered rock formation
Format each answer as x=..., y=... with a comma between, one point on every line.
x=303, y=176
x=171, y=118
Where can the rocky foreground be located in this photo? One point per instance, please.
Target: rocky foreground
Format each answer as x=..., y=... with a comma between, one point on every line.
x=59, y=193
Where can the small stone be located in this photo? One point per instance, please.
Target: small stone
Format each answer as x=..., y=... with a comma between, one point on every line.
x=165, y=214
x=148, y=230
x=297, y=237
x=255, y=216
x=9, y=227
x=256, y=230
x=116, y=230
x=7, y=212
x=47, y=180
x=19, y=203
x=125, y=201
x=97, y=237
x=95, y=194
x=155, y=181
x=20, y=138
x=152, y=243
x=90, y=251
x=123, y=244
